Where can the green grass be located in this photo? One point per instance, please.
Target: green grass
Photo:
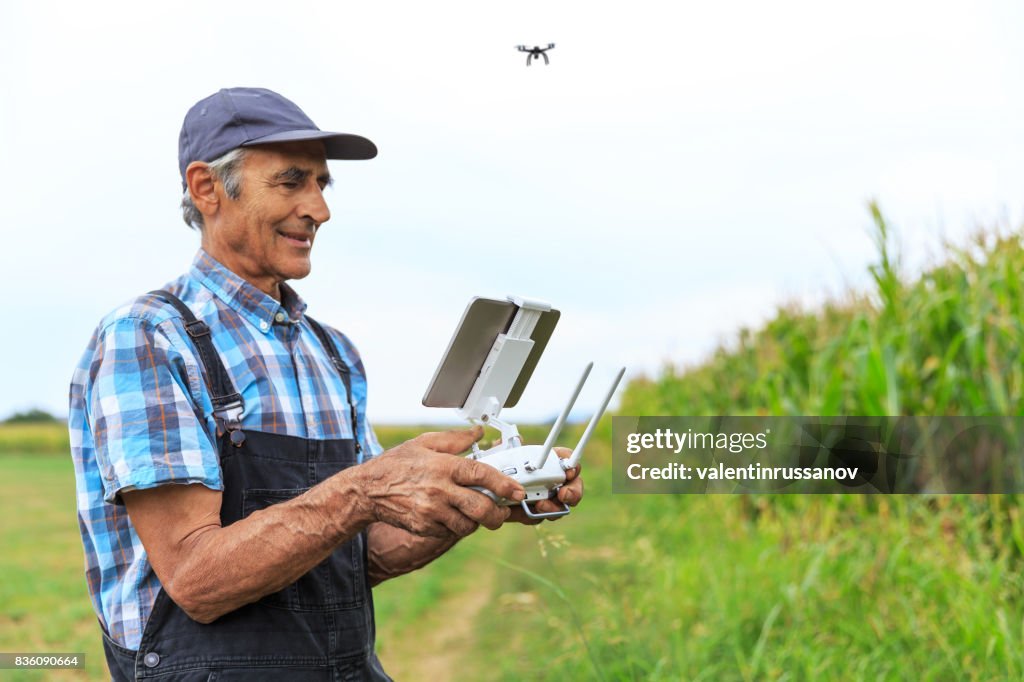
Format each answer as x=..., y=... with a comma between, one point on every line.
x=750, y=588
x=44, y=604
x=659, y=587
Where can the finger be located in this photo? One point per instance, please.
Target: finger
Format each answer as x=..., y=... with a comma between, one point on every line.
x=470, y=472
x=517, y=515
x=548, y=506
x=566, y=453
x=496, y=517
x=480, y=508
x=573, y=473
x=431, y=529
x=459, y=524
x=452, y=442
x=571, y=493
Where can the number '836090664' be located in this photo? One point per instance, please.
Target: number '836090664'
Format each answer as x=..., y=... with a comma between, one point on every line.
x=42, y=660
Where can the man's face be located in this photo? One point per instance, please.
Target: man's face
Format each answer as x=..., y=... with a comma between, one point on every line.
x=266, y=234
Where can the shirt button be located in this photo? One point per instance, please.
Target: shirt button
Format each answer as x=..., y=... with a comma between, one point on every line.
x=152, y=659
x=279, y=317
x=264, y=326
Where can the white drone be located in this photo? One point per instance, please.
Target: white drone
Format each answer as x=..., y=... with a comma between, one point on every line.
x=487, y=365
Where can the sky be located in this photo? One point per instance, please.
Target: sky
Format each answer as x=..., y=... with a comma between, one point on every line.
x=675, y=173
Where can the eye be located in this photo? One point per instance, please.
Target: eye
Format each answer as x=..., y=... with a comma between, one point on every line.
x=290, y=185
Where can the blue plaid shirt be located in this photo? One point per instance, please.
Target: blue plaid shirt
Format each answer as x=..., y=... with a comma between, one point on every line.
x=140, y=413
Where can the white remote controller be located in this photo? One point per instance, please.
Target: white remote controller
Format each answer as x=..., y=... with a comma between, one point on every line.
x=487, y=365
x=540, y=474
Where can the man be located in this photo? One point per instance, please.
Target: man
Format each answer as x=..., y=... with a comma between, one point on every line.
x=234, y=503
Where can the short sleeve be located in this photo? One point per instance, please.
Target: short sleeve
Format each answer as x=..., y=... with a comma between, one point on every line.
x=148, y=425
x=372, y=444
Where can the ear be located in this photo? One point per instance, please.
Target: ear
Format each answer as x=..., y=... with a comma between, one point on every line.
x=202, y=187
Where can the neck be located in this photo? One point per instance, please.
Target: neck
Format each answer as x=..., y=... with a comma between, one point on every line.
x=239, y=264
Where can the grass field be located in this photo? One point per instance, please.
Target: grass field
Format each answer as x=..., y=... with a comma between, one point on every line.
x=632, y=588
x=44, y=605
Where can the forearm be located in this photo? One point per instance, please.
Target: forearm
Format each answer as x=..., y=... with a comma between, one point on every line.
x=394, y=552
x=227, y=567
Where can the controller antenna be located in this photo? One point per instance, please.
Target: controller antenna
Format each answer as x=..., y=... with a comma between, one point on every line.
x=559, y=423
x=578, y=451
x=542, y=456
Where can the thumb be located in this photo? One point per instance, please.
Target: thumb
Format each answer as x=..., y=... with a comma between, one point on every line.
x=452, y=442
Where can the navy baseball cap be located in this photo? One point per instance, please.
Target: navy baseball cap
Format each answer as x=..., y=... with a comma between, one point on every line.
x=246, y=117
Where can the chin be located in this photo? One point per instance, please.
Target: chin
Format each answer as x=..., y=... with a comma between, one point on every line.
x=297, y=270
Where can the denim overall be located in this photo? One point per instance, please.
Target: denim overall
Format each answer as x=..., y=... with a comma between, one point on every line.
x=320, y=627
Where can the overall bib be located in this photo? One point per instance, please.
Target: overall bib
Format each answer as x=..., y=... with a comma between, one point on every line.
x=320, y=627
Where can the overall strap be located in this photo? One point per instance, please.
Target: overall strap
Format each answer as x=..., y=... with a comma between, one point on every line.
x=343, y=371
x=227, y=402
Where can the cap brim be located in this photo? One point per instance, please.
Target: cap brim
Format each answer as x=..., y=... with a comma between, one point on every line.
x=336, y=145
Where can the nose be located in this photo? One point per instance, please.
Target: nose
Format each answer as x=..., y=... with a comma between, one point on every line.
x=314, y=207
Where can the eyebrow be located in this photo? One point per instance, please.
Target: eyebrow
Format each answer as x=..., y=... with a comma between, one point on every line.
x=299, y=175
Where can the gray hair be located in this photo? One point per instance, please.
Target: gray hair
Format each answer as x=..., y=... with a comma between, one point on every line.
x=227, y=169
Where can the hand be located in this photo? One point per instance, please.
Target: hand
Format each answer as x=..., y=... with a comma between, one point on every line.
x=421, y=486
x=570, y=493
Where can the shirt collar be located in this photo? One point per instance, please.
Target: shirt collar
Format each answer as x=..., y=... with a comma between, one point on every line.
x=258, y=308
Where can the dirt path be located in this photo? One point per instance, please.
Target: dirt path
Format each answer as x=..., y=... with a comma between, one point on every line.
x=433, y=647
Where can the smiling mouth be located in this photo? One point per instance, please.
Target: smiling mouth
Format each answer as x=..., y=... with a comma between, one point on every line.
x=297, y=238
